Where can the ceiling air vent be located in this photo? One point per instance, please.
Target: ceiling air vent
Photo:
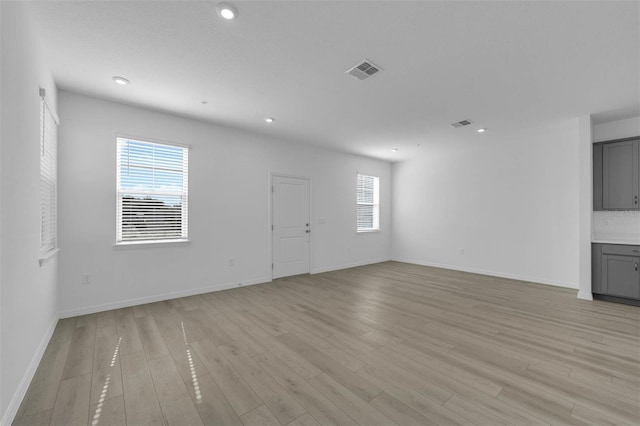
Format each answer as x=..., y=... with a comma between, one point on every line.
x=364, y=70
x=461, y=123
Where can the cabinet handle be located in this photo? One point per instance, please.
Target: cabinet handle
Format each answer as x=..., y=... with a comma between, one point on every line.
x=636, y=266
x=635, y=200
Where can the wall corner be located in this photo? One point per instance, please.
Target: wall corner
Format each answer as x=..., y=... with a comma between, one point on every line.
x=585, y=203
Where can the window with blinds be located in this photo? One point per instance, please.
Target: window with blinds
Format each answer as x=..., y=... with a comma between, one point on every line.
x=48, y=178
x=152, y=186
x=368, y=203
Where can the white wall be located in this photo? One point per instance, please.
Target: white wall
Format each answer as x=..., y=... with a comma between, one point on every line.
x=510, y=202
x=585, y=203
x=228, y=209
x=2, y=398
x=29, y=292
x=617, y=129
x=616, y=226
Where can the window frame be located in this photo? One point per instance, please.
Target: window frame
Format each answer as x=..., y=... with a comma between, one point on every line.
x=375, y=204
x=48, y=182
x=121, y=242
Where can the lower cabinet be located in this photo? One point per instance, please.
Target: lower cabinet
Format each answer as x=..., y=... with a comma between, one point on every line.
x=616, y=271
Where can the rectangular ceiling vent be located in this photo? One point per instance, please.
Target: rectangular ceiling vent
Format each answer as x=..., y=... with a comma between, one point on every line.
x=364, y=70
x=461, y=123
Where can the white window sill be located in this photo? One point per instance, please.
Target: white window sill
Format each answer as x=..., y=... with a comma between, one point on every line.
x=48, y=255
x=150, y=244
x=368, y=231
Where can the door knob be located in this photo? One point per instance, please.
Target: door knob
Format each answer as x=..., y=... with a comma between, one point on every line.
x=308, y=231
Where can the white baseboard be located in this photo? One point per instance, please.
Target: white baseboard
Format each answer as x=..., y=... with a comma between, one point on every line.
x=348, y=265
x=157, y=298
x=18, y=396
x=518, y=277
x=166, y=296
x=585, y=295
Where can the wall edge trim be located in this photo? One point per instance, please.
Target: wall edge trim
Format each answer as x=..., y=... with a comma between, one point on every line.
x=535, y=280
x=585, y=295
x=158, y=298
x=21, y=391
x=349, y=265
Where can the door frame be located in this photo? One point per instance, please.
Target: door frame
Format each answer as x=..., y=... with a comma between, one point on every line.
x=270, y=216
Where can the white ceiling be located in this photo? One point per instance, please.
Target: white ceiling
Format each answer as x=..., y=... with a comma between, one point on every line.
x=505, y=65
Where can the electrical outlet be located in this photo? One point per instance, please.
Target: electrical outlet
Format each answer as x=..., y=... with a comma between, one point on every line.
x=86, y=279
x=231, y=262
x=461, y=251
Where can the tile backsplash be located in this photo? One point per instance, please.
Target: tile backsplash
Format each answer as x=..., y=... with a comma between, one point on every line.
x=620, y=226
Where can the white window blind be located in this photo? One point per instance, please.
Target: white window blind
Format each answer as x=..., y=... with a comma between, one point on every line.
x=152, y=186
x=48, y=178
x=368, y=203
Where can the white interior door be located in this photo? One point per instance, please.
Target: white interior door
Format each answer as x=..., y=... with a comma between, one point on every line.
x=291, y=230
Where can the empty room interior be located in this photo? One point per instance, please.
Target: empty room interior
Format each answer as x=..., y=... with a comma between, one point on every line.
x=303, y=213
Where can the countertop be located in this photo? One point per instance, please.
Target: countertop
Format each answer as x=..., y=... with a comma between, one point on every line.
x=629, y=242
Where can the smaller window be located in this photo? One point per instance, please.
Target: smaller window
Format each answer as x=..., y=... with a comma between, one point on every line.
x=152, y=189
x=368, y=203
x=48, y=178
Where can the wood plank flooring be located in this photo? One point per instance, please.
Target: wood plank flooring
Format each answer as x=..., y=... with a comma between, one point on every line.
x=383, y=344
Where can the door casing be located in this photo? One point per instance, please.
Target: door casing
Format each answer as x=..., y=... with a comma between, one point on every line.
x=273, y=175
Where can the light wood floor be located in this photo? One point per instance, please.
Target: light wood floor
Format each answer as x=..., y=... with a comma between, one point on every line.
x=385, y=344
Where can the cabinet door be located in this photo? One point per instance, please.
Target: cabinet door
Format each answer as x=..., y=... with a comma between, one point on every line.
x=596, y=269
x=620, y=175
x=621, y=275
x=597, y=178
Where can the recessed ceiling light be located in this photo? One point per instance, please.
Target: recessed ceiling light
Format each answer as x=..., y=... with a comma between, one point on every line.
x=269, y=119
x=395, y=150
x=120, y=80
x=481, y=130
x=227, y=11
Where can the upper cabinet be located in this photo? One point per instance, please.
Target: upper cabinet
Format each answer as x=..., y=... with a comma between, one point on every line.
x=616, y=175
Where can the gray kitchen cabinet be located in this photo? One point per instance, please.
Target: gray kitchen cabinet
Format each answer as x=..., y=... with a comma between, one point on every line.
x=616, y=271
x=620, y=276
x=597, y=177
x=616, y=175
x=596, y=269
x=620, y=163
